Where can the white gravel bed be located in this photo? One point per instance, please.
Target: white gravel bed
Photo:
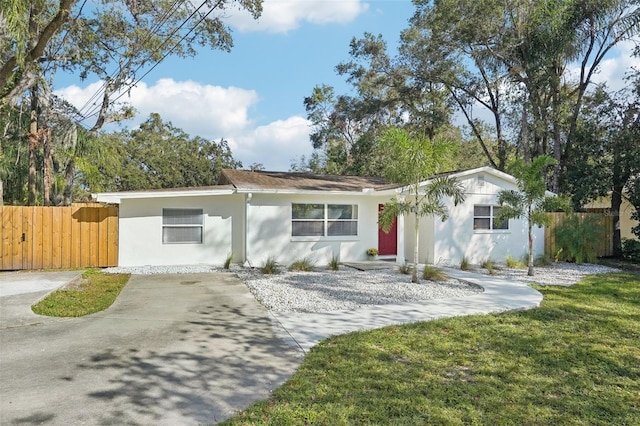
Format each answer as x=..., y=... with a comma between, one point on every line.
x=347, y=289
x=560, y=273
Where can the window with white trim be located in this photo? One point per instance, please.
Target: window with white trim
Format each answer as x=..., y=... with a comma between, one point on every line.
x=324, y=220
x=484, y=218
x=182, y=226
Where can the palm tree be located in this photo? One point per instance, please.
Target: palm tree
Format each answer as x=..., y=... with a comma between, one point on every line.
x=530, y=200
x=411, y=161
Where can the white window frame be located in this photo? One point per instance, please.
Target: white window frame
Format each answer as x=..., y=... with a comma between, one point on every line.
x=491, y=217
x=326, y=222
x=195, y=224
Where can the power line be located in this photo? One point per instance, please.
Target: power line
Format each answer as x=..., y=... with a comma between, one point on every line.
x=125, y=89
x=90, y=105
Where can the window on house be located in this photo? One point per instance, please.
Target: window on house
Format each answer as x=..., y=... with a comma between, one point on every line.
x=322, y=220
x=182, y=226
x=484, y=217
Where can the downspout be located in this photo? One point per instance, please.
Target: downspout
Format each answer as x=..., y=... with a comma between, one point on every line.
x=246, y=230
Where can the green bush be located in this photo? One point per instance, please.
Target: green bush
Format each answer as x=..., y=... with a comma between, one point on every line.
x=631, y=250
x=270, y=266
x=577, y=238
x=302, y=265
x=432, y=273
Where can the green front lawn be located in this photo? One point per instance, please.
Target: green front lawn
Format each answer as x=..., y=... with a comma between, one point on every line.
x=95, y=293
x=573, y=361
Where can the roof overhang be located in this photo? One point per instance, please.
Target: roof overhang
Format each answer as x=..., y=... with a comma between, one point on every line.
x=117, y=197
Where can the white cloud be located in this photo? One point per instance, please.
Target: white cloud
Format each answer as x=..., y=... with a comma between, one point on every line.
x=274, y=145
x=212, y=112
x=202, y=109
x=614, y=69
x=281, y=16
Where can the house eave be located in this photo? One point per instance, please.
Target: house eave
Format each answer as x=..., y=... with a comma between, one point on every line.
x=117, y=197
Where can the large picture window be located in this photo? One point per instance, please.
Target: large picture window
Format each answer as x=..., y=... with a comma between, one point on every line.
x=324, y=220
x=484, y=218
x=182, y=226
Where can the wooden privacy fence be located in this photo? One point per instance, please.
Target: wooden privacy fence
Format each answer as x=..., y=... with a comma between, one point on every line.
x=79, y=236
x=604, y=246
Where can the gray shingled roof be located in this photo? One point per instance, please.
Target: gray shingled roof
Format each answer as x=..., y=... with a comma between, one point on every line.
x=256, y=180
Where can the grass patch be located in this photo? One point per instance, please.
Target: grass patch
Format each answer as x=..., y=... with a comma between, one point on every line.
x=405, y=269
x=228, y=260
x=490, y=266
x=432, y=273
x=515, y=263
x=543, y=260
x=334, y=263
x=575, y=360
x=95, y=292
x=270, y=266
x=301, y=265
x=464, y=264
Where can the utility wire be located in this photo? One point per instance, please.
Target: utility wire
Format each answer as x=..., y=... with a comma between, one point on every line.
x=90, y=105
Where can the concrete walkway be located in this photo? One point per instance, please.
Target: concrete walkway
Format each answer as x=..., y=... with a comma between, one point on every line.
x=499, y=295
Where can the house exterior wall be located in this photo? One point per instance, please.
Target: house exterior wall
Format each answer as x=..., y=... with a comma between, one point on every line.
x=626, y=208
x=269, y=229
x=455, y=238
x=140, y=231
x=425, y=240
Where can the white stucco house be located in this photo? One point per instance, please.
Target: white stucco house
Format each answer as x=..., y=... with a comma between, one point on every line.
x=289, y=216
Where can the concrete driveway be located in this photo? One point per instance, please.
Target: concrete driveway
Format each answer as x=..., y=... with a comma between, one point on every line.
x=173, y=350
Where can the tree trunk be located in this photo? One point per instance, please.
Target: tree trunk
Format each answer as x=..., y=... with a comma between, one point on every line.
x=616, y=202
x=1, y=192
x=414, y=271
x=530, y=265
x=33, y=146
x=68, y=182
x=557, y=145
x=46, y=148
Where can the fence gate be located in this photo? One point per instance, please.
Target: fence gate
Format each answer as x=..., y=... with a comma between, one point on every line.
x=79, y=236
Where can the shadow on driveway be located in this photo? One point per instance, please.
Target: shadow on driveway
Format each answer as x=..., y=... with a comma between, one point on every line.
x=173, y=349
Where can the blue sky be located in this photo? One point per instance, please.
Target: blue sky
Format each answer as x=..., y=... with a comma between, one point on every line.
x=253, y=96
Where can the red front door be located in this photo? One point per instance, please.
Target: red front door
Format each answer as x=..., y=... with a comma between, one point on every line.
x=388, y=241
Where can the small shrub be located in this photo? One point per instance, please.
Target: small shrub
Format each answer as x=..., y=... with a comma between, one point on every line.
x=514, y=263
x=302, y=265
x=228, y=260
x=432, y=273
x=334, y=263
x=542, y=260
x=489, y=265
x=464, y=264
x=405, y=269
x=631, y=250
x=270, y=266
x=578, y=237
